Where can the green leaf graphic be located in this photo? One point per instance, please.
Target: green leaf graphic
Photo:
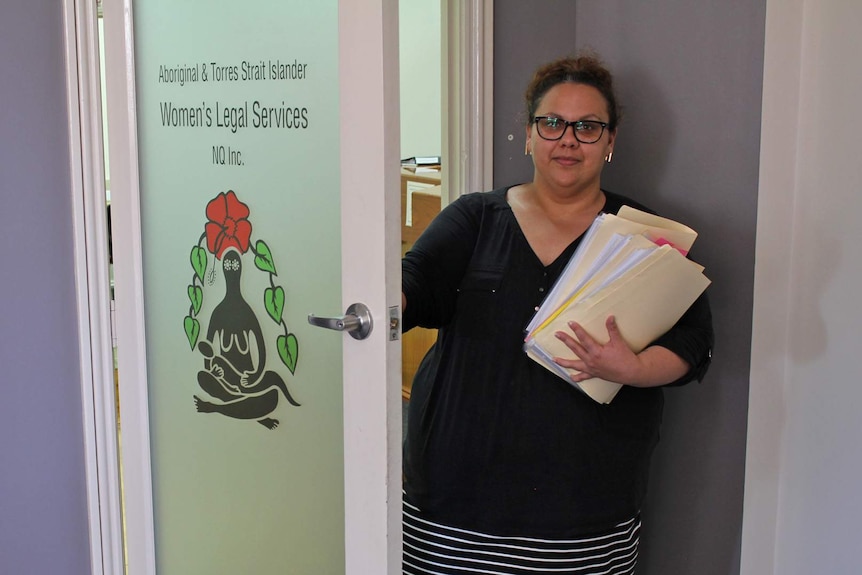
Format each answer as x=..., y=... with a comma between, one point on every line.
x=263, y=257
x=288, y=350
x=273, y=299
x=199, y=261
x=196, y=296
x=193, y=330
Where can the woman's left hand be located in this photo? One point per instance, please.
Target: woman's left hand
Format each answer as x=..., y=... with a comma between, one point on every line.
x=612, y=361
x=615, y=361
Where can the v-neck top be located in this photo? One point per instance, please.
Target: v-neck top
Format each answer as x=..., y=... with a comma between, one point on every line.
x=494, y=441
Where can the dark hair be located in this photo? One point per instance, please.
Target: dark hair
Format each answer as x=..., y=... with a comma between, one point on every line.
x=586, y=69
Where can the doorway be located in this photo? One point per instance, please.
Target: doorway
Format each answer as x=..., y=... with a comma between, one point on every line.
x=105, y=472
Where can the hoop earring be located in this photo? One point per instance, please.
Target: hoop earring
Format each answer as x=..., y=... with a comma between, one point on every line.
x=609, y=157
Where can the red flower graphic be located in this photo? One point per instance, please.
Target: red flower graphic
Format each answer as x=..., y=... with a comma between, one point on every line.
x=228, y=224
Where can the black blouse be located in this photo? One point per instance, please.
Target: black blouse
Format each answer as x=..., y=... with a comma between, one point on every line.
x=494, y=441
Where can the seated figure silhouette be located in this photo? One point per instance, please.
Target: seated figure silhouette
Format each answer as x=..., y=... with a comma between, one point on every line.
x=235, y=358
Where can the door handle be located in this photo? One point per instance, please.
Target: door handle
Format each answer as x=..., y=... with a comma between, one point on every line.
x=356, y=321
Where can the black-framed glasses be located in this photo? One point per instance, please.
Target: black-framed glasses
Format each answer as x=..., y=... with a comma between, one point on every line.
x=585, y=131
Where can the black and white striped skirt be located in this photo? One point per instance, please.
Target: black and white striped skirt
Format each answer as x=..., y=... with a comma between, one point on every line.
x=434, y=549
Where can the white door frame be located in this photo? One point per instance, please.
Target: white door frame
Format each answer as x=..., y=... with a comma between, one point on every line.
x=373, y=433
x=92, y=285
x=468, y=97
x=128, y=286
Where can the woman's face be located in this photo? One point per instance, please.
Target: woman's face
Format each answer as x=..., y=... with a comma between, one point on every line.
x=568, y=165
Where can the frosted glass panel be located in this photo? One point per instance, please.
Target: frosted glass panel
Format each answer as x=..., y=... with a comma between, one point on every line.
x=238, y=127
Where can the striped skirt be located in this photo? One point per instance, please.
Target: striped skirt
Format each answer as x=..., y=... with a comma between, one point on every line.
x=434, y=549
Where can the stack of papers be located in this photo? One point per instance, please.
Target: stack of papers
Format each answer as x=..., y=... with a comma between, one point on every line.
x=417, y=161
x=631, y=265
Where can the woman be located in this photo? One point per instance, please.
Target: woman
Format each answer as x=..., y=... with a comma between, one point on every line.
x=507, y=468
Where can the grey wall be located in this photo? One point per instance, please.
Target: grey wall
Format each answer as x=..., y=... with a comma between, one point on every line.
x=689, y=77
x=526, y=34
x=43, y=513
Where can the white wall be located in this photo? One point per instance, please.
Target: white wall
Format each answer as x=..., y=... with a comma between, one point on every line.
x=420, y=32
x=804, y=462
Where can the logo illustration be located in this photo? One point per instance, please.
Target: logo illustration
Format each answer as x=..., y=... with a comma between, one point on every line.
x=235, y=375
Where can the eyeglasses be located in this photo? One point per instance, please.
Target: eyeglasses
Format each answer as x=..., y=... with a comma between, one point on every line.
x=585, y=131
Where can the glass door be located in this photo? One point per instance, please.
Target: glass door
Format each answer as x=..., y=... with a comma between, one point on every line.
x=261, y=165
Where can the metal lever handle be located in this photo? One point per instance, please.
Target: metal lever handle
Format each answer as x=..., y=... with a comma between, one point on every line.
x=356, y=321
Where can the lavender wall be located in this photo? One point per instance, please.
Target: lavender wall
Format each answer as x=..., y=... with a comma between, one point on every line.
x=689, y=76
x=43, y=513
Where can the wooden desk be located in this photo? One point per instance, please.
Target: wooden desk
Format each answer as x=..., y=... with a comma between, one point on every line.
x=421, y=191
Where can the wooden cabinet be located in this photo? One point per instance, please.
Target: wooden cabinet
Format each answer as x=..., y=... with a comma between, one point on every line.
x=420, y=202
